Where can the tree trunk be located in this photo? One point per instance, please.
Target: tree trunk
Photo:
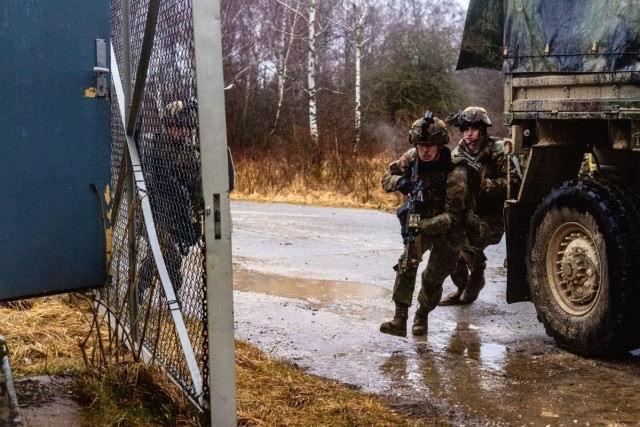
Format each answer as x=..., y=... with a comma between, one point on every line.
x=283, y=60
x=311, y=78
x=358, y=48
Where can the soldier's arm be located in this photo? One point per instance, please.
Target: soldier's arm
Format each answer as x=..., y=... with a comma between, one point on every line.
x=496, y=186
x=455, y=209
x=397, y=169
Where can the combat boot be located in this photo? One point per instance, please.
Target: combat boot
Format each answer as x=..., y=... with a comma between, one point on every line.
x=459, y=277
x=452, y=299
x=398, y=326
x=420, y=321
x=473, y=288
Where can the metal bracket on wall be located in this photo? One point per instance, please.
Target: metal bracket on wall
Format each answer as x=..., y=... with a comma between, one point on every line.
x=101, y=69
x=635, y=141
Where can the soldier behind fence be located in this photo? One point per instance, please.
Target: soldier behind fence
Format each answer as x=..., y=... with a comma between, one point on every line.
x=173, y=178
x=445, y=211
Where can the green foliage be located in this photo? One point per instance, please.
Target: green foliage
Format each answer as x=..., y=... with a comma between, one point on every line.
x=416, y=75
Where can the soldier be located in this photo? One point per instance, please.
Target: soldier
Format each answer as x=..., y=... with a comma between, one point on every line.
x=489, y=154
x=445, y=212
x=172, y=173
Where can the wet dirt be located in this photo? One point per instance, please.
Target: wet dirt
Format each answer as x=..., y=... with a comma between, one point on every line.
x=312, y=286
x=47, y=401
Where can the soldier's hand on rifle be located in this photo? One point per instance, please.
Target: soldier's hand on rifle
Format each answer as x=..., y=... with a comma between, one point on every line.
x=405, y=161
x=403, y=185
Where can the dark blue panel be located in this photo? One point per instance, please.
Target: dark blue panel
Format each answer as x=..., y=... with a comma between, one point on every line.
x=54, y=148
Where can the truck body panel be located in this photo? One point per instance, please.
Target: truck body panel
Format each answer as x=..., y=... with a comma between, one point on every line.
x=541, y=36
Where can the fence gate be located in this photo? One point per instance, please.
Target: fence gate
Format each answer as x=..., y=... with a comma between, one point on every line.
x=170, y=293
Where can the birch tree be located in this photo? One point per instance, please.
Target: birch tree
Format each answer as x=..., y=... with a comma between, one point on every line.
x=287, y=34
x=358, y=47
x=357, y=11
x=311, y=89
x=311, y=76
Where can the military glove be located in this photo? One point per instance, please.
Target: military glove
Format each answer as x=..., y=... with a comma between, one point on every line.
x=403, y=185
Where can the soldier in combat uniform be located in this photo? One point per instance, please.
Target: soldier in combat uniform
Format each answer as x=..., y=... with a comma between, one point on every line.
x=171, y=162
x=488, y=153
x=445, y=212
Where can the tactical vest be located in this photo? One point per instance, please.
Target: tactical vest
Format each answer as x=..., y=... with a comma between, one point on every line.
x=434, y=176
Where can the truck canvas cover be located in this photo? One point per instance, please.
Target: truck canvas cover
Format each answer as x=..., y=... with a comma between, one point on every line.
x=552, y=36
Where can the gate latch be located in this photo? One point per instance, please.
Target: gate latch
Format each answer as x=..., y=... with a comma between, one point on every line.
x=101, y=69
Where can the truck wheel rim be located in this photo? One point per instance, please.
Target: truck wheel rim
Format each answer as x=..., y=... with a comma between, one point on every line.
x=573, y=268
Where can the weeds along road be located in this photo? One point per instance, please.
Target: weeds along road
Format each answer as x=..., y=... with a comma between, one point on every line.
x=313, y=284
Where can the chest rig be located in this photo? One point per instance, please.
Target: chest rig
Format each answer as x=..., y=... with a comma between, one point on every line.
x=434, y=177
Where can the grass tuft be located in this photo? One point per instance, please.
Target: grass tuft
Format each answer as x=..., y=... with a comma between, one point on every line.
x=132, y=394
x=49, y=335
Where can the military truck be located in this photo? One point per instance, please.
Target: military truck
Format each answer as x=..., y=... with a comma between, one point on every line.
x=571, y=88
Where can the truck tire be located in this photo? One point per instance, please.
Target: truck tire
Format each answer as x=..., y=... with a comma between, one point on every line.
x=582, y=239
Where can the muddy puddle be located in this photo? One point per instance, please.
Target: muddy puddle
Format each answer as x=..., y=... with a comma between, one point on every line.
x=465, y=366
x=313, y=284
x=320, y=292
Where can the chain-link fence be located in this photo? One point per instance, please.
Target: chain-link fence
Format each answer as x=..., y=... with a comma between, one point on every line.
x=156, y=298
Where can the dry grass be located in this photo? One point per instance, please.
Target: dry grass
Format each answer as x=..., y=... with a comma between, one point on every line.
x=271, y=393
x=338, y=181
x=45, y=336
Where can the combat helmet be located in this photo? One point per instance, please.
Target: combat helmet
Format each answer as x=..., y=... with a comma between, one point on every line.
x=473, y=116
x=428, y=130
x=181, y=113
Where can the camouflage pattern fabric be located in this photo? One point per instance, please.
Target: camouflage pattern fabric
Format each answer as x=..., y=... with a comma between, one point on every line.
x=489, y=206
x=492, y=161
x=558, y=36
x=443, y=227
x=482, y=39
x=444, y=253
x=542, y=36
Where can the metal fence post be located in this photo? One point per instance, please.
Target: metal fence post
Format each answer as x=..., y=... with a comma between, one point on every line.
x=215, y=183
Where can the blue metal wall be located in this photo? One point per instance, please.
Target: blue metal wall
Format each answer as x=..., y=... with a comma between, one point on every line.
x=54, y=147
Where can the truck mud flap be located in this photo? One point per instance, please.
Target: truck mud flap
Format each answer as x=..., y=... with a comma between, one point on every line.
x=517, y=219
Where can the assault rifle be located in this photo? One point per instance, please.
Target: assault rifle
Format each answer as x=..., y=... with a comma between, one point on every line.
x=410, y=210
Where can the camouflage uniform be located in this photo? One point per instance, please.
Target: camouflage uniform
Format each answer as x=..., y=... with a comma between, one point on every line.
x=171, y=165
x=468, y=274
x=445, y=216
x=172, y=173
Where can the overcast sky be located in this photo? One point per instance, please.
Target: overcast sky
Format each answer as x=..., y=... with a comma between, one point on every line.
x=464, y=3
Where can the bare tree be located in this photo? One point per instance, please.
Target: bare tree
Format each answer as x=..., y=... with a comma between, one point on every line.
x=287, y=34
x=311, y=90
x=292, y=61
x=311, y=75
x=358, y=46
x=356, y=12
